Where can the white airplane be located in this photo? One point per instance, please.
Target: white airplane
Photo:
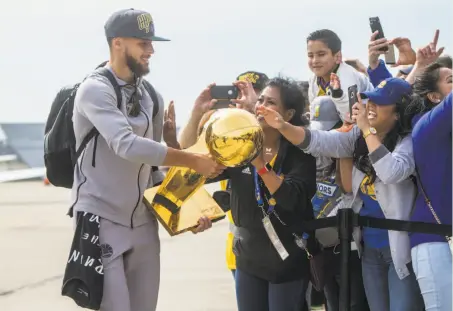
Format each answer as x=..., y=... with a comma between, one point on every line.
x=23, y=174
x=19, y=174
x=8, y=158
x=9, y=175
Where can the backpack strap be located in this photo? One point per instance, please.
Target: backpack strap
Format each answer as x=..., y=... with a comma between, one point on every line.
x=119, y=98
x=109, y=75
x=152, y=92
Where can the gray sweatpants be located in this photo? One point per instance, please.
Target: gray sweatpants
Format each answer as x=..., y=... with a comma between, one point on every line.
x=131, y=259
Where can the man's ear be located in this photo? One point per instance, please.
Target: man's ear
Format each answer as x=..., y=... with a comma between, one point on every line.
x=117, y=43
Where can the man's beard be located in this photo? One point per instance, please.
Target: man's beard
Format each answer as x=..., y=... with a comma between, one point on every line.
x=138, y=69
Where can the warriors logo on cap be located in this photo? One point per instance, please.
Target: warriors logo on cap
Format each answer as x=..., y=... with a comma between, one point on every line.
x=382, y=84
x=250, y=77
x=144, y=21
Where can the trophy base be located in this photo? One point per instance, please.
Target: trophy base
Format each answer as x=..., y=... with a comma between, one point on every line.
x=198, y=205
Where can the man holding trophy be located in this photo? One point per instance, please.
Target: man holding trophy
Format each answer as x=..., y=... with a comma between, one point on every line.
x=115, y=169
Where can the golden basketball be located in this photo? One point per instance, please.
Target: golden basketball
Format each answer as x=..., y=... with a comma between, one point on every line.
x=233, y=136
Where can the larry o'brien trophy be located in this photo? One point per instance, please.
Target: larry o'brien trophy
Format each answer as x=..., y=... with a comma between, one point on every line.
x=234, y=138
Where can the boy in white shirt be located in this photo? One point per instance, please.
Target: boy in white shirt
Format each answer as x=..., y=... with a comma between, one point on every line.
x=325, y=60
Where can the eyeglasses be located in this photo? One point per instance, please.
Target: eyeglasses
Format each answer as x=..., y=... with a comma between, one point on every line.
x=133, y=107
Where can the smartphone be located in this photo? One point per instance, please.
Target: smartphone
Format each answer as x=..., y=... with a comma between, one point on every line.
x=390, y=55
x=375, y=25
x=222, y=103
x=352, y=95
x=224, y=92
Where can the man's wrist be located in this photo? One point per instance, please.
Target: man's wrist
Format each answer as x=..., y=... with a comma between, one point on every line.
x=174, y=145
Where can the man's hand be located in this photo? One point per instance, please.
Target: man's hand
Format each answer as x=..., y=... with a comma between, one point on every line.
x=204, y=101
x=204, y=223
x=429, y=53
x=406, y=55
x=373, y=50
x=169, y=130
x=206, y=166
x=247, y=96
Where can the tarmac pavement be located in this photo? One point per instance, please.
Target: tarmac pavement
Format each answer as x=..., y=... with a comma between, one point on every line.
x=35, y=237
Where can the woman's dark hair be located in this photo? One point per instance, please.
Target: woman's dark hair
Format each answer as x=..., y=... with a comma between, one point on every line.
x=304, y=86
x=426, y=83
x=402, y=128
x=292, y=98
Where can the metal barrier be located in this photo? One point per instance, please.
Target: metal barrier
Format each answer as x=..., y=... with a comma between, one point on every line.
x=346, y=220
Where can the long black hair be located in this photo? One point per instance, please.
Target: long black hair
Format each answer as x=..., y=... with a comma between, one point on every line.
x=292, y=98
x=426, y=83
x=401, y=129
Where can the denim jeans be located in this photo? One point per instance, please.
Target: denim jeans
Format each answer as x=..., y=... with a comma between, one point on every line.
x=358, y=300
x=432, y=266
x=255, y=294
x=384, y=290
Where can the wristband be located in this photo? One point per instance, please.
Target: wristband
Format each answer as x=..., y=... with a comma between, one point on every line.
x=265, y=169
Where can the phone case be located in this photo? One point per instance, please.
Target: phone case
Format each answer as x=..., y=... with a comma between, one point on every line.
x=390, y=55
x=375, y=25
x=352, y=95
x=224, y=92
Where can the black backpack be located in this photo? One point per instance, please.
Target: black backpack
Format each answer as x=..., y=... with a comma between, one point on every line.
x=60, y=154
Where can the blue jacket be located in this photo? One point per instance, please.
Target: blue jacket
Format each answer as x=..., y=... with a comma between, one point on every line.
x=432, y=145
x=379, y=74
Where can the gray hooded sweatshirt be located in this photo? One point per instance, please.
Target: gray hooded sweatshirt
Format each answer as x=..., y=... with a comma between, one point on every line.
x=115, y=169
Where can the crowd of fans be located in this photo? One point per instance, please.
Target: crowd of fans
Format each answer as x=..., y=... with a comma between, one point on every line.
x=391, y=158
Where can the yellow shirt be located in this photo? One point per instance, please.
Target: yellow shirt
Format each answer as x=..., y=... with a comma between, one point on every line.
x=230, y=257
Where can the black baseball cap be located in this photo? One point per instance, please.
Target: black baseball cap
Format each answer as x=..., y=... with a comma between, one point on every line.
x=130, y=23
x=257, y=79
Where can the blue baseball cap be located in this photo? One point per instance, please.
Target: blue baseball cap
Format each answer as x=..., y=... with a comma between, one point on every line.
x=388, y=92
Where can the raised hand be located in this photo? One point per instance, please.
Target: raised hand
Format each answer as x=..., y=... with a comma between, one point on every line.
x=406, y=54
x=359, y=115
x=429, y=53
x=335, y=81
x=374, y=49
x=247, y=98
x=204, y=101
x=169, y=129
x=272, y=117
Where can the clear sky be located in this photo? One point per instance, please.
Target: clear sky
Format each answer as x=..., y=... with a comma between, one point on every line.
x=47, y=44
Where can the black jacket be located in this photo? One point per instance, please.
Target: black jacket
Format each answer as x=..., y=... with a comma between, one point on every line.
x=255, y=254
